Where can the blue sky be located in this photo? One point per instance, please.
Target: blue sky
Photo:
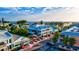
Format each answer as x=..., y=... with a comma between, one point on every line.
x=39, y=13
x=18, y=13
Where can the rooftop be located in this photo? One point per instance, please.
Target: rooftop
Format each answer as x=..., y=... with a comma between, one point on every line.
x=4, y=35
x=73, y=31
x=38, y=26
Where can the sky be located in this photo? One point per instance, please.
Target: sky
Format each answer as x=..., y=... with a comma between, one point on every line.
x=39, y=13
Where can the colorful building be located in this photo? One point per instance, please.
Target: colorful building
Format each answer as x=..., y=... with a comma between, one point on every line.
x=39, y=30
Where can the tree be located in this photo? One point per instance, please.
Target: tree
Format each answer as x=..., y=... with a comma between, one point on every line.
x=60, y=26
x=22, y=31
x=14, y=31
x=65, y=40
x=41, y=22
x=21, y=22
x=72, y=41
x=10, y=24
x=55, y=38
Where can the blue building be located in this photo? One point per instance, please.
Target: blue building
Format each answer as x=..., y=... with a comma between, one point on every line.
x=39, y=30
x=71, y=32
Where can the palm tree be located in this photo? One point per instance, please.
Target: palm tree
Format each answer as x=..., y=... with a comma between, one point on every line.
x=59, y=26
x=55, y=38
x=65, y=40
x=72, y=41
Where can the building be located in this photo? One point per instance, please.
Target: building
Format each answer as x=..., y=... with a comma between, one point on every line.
x=5, y=39
x=54, y=28
x=72, y=32
x=39, y=30
x=10, y=41
x=20, y=41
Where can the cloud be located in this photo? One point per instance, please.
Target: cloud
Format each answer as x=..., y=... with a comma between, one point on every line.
x=45, y=14
x=14, y=11
x=47, y=9
x=66, y=14
x=52, y=9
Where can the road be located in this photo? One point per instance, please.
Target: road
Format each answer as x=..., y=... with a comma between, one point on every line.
x=35, y=43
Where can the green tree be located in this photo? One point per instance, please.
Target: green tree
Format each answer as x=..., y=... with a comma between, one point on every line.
x=41, y=22
x=10, y=24
x=65, y=40
x=72, y=41
x=21, y=22
x=23, y=31
x=14, y=31
x=60, y=26
x=55, y=38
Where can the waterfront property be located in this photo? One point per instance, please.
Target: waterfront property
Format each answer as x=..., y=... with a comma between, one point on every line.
x=40, y=30
x=72, y=32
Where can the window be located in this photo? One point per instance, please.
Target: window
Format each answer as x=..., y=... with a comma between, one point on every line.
x=9, y=47
x=10, y=41
x=12, y=45
x=16, y=45
x=7, y=41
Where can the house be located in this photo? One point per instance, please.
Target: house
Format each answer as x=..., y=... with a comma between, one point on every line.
x=72, y=32
x=5, y=38
x=21, y=41
x=10, y=41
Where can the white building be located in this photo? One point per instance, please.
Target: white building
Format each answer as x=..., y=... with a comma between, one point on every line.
x=5, y=38
x=9, y=41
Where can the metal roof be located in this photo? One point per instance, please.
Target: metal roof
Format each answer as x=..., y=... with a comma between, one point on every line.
x=74, y=31
x=38, y=27
x=4, y=35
